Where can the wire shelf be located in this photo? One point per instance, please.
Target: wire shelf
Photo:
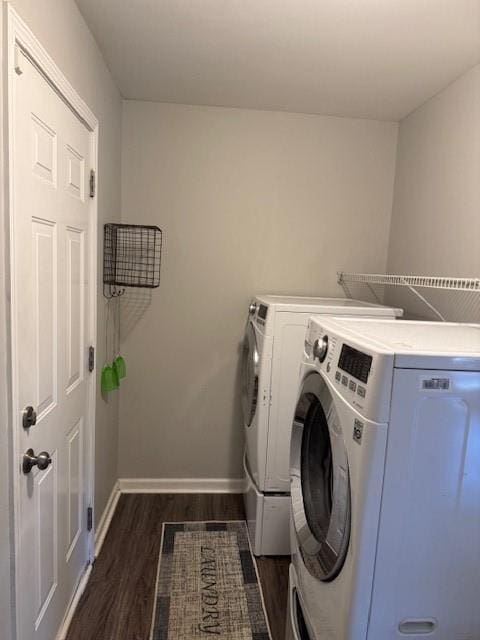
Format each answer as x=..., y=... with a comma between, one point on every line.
x=440, y=283
x=431, y=282
x=131, y=257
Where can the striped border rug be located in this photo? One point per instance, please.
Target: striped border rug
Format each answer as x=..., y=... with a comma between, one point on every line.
x=207, y=584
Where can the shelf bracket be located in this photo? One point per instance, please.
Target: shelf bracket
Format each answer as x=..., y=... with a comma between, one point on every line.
x=425, y=301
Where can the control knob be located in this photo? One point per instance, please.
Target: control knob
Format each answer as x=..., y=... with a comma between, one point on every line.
x=320, y=348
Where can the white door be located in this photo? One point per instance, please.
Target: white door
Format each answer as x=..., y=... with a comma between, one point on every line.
x=51, y=266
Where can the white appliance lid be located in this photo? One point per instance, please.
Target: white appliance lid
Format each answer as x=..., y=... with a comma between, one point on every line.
x=415, y=344
x=327, y=305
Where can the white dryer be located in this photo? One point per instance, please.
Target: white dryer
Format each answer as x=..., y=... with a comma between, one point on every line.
x=385, y=494
x=272, y=353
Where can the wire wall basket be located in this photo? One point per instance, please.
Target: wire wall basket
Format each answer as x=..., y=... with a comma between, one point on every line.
x=131, y=257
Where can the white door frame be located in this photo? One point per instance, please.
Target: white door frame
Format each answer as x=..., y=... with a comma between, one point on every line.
x=20, y=36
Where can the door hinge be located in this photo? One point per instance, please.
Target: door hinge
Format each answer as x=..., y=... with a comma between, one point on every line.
x=91, y=358
x=89, y=519
x=92, y=184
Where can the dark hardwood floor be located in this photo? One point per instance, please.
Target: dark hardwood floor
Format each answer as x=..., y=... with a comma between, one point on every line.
x=117, y=603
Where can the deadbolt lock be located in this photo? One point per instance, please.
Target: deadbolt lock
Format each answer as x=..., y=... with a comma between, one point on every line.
x=29, y=417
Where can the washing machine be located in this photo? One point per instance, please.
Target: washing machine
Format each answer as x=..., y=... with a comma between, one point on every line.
x=271, y=359
x=385, y=481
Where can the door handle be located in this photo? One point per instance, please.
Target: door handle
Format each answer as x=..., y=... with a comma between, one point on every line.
x=30, y=460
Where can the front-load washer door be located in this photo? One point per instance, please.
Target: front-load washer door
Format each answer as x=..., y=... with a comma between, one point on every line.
x=249, y=376
x=320, y=481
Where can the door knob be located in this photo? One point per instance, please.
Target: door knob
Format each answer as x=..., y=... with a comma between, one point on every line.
x=29, y=417
x=30, y=460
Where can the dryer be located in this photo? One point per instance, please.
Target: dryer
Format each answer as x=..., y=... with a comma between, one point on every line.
x=271, y=359
x=385, y=481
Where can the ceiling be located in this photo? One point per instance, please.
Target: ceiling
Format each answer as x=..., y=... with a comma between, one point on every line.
x=362, y=58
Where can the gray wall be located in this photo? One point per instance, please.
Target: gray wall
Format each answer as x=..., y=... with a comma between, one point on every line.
x=62, y=31
x=436, y=221
x=249, y=202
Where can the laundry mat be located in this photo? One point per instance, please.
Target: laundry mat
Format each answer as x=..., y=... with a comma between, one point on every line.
x=207, y=584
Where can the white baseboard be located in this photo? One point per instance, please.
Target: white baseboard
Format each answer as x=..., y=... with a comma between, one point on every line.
x=107, y=515
x=181, y=485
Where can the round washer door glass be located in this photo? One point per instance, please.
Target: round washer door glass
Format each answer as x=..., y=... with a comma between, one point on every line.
x=320, y=482
x=250, y=361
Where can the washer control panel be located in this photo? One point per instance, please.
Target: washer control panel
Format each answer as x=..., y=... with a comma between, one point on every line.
x=358, y=372
x=347, y=367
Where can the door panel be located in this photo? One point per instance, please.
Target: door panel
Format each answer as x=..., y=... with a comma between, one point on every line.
x=46, y=523
x=75, y=483
x=44, y=145
x=75, y=302
x=75, y=183
x=45, y=283
x=51, y=153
